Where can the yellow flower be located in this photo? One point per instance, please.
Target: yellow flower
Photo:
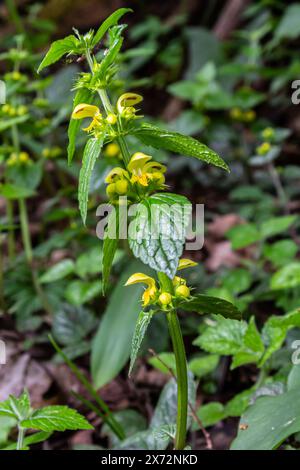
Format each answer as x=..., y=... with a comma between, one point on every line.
x=182, y=291
x=24, y=157
x=125, y=105
x=264, y=148
x=143, y=171
x=268, y=133
x=112, y=150
x=116, y=174
x=111, y=118
x=249, y=116
x=84, y=110
x=149, y=293
x=165, y=298
x=236, y=113
x=186, y=263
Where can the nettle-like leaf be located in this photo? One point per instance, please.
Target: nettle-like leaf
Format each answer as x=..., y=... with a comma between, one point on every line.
x=91, y=153
x=141, y=326
x=56, y=418
x=83, y=95
x=110, y=244
x=58, y=49
x=158, y=229
x=178, y=143
x=206, y=304
x=115, y=44
x=110, y=21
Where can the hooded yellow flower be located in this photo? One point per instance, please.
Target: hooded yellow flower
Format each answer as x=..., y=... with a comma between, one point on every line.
x=116, y=174
x=149, y=293
x=125, y=105
x=186, y=263
x=143, y=170
x=84, y=110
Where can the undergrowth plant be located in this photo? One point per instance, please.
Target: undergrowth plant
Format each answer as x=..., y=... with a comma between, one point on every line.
x=138, y=181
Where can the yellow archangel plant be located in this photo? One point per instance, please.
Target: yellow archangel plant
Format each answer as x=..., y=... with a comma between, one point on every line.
x=143, y=180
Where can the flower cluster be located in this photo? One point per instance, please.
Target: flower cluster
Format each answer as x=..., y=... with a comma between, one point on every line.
x=51, y=152
x=154, y=295
x=124, y=110
x=21, y=158
x=141, y=173
x=243, y=116
x=14, y=110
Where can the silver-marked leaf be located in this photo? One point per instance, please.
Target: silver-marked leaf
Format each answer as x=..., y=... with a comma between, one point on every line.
x=141, y=326
x=110, y=21
x=158, y=230
x=91, y=153
x=57, y=50
x=178, y=143
x=83, y=95
x=56, y=418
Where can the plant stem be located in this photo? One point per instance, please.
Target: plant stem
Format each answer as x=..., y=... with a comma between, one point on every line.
x=181, y=367
x=25, y=231
x=11, y=233
x=20, y=442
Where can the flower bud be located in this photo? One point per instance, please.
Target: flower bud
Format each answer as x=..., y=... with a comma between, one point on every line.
x=165, y=298
x=121, y=187
x=111, y=190
x=182, y=291
x=111, y=118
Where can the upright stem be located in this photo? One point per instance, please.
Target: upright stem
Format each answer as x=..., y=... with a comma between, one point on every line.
x=181, y=367
x=167, y=285
x=20, y=442
x=11, y=234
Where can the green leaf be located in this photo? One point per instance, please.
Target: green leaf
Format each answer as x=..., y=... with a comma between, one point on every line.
x=281, y=252
x=152, y=439
x=211, y=413
x=201, y=366
x=276, y=225
x=252, y=347
x=267, y=423
x=275, y=330
x=158, y=229
x=237, y=281
x=206, y=304
x=57, y=50
x=83, y=95
x=110, y=21
x=166, y=410
x=111, y=345
x=56, y=418
x=91, y=153
x=89, y=262
x=11, y=191
x=238, y=404
x=130, y=420
x=243, y=235
x=288, y=26
x=224, y=336
x=141, y=326
x=20, y=405
x=72, y=324
x=6, y=123
x=115, y=44
x=29, y=440
x=58, y=271
x=178, y=143
x=167, y=358
x=287, y=277
x=6, y=409
x=80, y=292
x=110, y=244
